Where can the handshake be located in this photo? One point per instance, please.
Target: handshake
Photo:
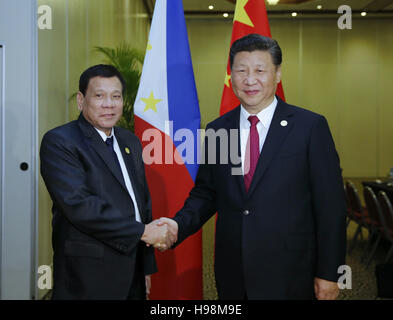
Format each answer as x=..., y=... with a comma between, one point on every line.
x=160, y=233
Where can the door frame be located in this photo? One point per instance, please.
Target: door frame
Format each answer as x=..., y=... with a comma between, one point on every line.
x=19, y=148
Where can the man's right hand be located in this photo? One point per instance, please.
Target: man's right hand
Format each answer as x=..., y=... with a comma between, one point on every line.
x=156, y=235
x=173, y=229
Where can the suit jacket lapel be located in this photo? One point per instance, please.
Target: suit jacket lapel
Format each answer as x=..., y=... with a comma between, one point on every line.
x=234, y=123
x=96, y=142
x=278, y=131
x=131, y=168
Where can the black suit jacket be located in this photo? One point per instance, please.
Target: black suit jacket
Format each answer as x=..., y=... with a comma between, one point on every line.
x=290, y=227
x=95, y=234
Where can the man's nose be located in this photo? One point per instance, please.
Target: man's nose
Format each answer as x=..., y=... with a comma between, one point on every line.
x=107, y=102
x=250, y=79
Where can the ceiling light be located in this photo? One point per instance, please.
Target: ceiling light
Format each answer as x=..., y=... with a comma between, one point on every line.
x=294, y=14
x=272, y=2
x=211, y=7
x=225, y=15
x=319, y=7
x=363, y=14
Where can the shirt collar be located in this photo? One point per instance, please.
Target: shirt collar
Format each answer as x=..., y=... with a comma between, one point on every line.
x=265, y=115
x=103, y=135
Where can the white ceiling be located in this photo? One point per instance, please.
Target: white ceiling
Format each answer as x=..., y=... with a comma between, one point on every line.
x=331, y=5
x=200, y=8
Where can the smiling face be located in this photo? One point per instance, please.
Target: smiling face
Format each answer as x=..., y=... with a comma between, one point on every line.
x=254, y=79
x=102, y=105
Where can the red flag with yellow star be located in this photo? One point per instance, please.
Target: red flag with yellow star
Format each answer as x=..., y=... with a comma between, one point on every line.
x=250, y=17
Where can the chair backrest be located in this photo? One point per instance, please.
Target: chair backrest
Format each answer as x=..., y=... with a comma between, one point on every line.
x=353, y=197
x=387, y=213
x=372, y=204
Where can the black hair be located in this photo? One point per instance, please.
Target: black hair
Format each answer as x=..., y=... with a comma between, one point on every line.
x=100, y=70
x=253, y=42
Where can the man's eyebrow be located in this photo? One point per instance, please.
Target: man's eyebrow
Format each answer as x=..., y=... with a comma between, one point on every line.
x=103, y=89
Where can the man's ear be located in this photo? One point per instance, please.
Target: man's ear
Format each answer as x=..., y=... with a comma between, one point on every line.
x=80, y=98
x=278, y=73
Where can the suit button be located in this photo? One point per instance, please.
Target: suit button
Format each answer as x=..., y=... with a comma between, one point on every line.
x=246, y=212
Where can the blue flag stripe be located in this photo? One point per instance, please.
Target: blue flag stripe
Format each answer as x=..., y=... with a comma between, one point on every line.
x=182, y=95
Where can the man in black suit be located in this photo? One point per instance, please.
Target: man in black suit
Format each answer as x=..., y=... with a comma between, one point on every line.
x=101, y=203
x=280, y=229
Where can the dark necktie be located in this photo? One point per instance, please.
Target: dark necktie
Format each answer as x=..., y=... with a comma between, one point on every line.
x=109, y=144
x=252, y=151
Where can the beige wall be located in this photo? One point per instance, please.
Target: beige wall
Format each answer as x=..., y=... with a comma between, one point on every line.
x=64, y=52
x=343, y=74
x=52, y=110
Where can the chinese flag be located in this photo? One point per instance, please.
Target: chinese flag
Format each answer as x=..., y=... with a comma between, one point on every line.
x=250, y=17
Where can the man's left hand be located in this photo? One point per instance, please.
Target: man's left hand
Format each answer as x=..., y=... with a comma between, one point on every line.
x=325, y=290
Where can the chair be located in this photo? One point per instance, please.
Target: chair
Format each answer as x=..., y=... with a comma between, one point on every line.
x=373, y=221
x=387, y=221
x=356, y=212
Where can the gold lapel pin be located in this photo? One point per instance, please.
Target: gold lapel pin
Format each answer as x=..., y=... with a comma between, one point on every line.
x=127, y=150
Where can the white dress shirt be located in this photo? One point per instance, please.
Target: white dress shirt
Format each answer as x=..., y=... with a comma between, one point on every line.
x=265, y=117
x=123, y=167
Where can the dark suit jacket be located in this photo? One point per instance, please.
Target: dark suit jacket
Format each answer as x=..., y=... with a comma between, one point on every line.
x=290, y=227
x=95, y=234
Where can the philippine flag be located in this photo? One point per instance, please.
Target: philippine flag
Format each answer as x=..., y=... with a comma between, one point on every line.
x=167, y=120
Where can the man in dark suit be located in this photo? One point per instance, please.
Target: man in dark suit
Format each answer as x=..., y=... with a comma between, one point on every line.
x=101, y=204
x=280, y=229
